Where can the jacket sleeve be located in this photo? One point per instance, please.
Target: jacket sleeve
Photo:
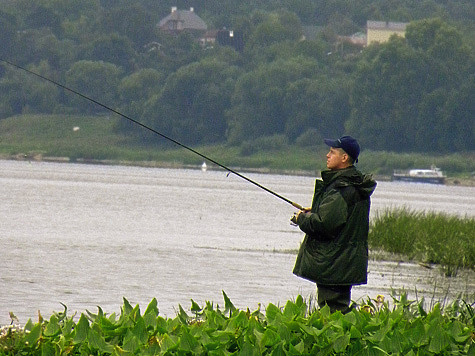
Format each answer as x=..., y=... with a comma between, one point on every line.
x=325, y=222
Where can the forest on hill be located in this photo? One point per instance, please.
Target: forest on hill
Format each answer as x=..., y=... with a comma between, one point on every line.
x=295, y=79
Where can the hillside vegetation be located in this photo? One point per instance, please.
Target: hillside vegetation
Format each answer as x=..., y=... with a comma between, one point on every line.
x=297, y=78
x=95, y=138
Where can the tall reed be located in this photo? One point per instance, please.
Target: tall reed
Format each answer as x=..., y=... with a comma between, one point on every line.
x=426, y=236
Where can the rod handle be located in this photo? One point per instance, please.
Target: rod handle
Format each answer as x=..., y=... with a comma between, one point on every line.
x=298, y=206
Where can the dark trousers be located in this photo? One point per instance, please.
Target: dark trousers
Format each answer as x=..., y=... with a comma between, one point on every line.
x=336, y=297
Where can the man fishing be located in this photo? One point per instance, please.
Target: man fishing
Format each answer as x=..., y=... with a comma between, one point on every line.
x=334, y=252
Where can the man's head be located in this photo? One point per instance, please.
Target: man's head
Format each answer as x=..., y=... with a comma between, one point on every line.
x=343, y=152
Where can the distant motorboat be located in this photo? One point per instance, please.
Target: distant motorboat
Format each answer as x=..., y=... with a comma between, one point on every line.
x=204, y=167
x=433, y=175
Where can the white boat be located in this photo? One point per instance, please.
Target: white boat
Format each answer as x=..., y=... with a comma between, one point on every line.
x=204, y=167
x=433, y=175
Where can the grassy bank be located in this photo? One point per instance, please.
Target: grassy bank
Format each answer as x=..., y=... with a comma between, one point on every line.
x=371, y=329
x=79, y=137
x=432, y=238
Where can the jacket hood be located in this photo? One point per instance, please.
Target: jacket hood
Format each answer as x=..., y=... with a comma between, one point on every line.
x=364, y=183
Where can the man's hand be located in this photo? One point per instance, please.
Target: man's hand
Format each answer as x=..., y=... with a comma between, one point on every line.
x=294, y=218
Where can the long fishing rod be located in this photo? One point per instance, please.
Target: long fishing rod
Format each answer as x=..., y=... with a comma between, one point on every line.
x=154, y=131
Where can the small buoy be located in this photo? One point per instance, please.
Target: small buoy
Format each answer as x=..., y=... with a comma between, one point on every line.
x=76, y=128
x=204, y=167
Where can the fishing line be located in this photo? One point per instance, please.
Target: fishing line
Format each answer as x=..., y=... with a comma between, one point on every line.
x=230, y=170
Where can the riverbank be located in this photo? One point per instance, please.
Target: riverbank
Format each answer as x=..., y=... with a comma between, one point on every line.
x=93, y=139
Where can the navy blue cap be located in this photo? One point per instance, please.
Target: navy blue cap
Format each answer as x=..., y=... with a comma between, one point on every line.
x=348, y=144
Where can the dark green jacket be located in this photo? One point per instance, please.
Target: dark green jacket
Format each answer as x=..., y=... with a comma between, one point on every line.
x=335, y=248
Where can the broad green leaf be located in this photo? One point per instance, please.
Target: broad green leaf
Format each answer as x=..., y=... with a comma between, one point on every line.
x=355, y=333
x=34, y=335
x=140, y=331
x=325, y=311
x=471, y=349
x=272, y=312
x=291, y=310
x=130, y=343
x=187, y=341
x=47, y=349
x=126, y=308
x=81, y=330
x=237, y=321
x=296, y=349
x=379, y=335
x=279, y=350
x=439, y=339
x=350, y=318
x=300, y=347
x=52, y=328
x=455, y=331
x=417, y=334
x=228, y=306
x=151, y=314
x=94, y=317
x=341, y=343
x=96, y=341
x=195, y=308
x=166, y=343
x=162, y=325
x=247, y=349
x=136, y=313
x=270, y=338
x=152, y=307
x=397, y=341
x=29, y=325
x=68, y=327
x=182, y=315
x=259, y=337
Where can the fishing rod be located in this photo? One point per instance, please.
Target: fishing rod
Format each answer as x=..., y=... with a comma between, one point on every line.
x=230, y=170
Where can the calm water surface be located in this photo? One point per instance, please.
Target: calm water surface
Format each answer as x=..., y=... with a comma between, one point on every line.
x=88, y=235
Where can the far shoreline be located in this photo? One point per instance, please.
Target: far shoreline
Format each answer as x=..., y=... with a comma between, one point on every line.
x=449, y=181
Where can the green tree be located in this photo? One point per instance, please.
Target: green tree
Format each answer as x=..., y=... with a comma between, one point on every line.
x=132, y=21
x=42, y=17
x=191, y=106
x=400, y=95
x=258, y=99
x=321, y=103
x=460, y=108
x=388, y=88
x=23, y=93
x=135, y=90
x=272, y=28
x=96, y=79
x=113, y=49
x=8, y=35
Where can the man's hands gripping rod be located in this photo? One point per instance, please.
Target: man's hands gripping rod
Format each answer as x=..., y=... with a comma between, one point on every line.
x=295, y=216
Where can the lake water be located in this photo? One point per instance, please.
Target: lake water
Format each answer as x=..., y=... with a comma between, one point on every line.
x=89, y=235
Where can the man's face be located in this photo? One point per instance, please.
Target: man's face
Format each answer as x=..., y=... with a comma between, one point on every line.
x=337, y=158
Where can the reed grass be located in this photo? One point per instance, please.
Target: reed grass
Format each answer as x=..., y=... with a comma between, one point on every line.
x=426, y=237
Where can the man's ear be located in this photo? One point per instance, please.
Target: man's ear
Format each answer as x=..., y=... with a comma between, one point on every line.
x=345, y=157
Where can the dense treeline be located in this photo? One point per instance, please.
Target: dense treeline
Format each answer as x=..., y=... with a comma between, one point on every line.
x=413, y=94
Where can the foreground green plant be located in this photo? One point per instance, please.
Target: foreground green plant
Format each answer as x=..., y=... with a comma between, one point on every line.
x=372, y=329
x=427, y=237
